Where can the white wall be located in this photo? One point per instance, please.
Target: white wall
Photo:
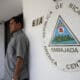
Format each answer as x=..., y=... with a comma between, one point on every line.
x=40, y=66
x=10, y=8
x=2, y=50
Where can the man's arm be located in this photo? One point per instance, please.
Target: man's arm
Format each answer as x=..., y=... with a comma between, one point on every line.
x=18, y=68
x=21, y=51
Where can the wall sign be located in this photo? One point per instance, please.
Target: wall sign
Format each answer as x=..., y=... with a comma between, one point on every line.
x=61, y=37
x=37, y=21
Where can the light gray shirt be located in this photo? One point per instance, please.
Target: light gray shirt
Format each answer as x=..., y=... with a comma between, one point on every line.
x=18, y=46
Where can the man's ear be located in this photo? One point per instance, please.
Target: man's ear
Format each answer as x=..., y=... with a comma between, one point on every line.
x=19, y=25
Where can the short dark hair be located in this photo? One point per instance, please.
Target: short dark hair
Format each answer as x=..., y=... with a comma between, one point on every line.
x=18, y=19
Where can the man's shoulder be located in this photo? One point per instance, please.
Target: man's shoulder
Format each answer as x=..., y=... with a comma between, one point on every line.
x=21, y=36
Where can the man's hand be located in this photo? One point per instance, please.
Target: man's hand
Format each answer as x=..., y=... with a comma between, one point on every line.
x=15, y=78
x=18, y=68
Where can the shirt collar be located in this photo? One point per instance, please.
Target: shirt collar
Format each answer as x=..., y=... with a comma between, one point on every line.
x=17, y=32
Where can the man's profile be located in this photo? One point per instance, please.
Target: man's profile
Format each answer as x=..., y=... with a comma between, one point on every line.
x=16, y=59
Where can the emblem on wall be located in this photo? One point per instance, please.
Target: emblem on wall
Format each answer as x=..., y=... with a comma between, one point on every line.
x=61, y=35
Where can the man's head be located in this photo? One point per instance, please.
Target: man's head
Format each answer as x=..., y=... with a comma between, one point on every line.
x=16, y=23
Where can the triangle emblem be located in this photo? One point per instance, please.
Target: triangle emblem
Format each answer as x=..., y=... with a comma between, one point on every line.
x=62, y=34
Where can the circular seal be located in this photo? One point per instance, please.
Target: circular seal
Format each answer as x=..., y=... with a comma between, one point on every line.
x=61, y=39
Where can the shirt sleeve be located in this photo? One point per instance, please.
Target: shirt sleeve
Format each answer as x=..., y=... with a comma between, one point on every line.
x=21, y=47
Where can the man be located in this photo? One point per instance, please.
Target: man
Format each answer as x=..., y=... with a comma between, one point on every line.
x=16, y=60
